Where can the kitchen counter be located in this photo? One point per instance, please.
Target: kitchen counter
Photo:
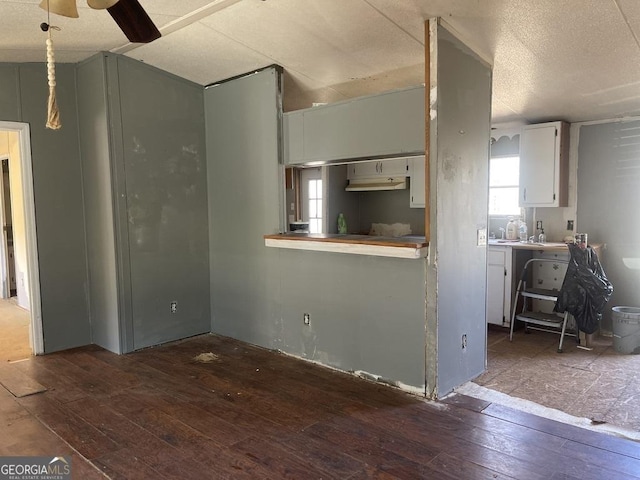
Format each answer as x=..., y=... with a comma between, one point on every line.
x=538, y=247
x=413, y=247
x=528, y=246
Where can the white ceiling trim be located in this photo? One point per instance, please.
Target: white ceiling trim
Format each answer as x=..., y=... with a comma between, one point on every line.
x=184, y=21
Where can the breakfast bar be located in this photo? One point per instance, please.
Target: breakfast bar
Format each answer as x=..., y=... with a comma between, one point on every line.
x=410, y=247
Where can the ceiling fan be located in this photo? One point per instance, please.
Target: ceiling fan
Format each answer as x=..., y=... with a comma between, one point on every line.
x=128, y=14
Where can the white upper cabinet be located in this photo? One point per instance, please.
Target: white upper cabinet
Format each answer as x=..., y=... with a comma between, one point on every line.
x=395, y=167
x=386, y=124
x=544, y=165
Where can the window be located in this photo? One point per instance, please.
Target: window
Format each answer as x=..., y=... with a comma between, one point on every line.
x=311, y=198
x=315, y=206
x=504, y=173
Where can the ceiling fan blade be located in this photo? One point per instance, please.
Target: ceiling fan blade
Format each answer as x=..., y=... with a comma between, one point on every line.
x=134, y=21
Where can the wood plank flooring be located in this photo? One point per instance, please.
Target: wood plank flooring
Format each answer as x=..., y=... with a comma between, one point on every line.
x=255, y=414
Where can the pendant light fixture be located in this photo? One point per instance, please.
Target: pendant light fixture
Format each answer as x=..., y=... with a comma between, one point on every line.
x=66, y=8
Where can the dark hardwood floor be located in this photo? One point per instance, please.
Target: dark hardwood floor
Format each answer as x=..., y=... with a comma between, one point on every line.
x=252, y=413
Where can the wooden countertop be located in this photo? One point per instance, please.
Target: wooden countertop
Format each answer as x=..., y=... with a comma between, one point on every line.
x=413, y=247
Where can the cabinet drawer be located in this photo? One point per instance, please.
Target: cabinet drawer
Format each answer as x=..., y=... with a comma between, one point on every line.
x=561, y=255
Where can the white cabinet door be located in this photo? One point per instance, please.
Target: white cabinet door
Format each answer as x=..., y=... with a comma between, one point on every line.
x=544, y=165
x=363, y=170
x=495, y=285
x=416, y=184
x=396, y=167
x=499, y=291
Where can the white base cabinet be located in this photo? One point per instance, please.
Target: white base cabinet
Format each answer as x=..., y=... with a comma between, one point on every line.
x=499, y=279
x=548, y=276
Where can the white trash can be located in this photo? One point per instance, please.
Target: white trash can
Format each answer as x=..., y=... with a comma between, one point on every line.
x=626, y=329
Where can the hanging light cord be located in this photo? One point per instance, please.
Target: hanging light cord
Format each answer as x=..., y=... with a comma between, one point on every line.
x=53, y=114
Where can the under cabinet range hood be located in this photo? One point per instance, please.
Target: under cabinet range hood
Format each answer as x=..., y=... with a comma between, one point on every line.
x=377, y=184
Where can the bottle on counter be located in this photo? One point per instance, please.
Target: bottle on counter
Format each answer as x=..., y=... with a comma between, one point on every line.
x=342, y=224
x=512, y=229
x=523, y=232
x=542, y=238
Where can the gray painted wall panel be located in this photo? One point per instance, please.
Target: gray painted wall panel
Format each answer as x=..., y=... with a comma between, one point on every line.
x=98, y=197
x=389, y=207
x=463, y=132
x=59, y=207
x=341, y=201
x=367, y=313
x=245, y=203
x=163, y=147
x=9, y=93
x=608, y=197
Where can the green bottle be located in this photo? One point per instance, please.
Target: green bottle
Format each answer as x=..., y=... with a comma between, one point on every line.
x=342, y=224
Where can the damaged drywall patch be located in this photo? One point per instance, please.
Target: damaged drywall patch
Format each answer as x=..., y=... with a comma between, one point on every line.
x=419, y=391
x=433, y=103
x=393, y=383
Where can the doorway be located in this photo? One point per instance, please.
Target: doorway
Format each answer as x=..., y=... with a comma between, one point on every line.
x=20, y=307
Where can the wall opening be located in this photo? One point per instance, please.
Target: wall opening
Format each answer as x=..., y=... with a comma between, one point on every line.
x=20, y=312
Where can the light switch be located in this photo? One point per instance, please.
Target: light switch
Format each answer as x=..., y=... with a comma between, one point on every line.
x=482, y=237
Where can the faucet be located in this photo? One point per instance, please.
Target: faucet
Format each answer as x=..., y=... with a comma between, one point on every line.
x=501, y=233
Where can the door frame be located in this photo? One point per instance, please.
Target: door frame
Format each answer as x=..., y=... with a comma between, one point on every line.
x=5, y=280
x=33, y=272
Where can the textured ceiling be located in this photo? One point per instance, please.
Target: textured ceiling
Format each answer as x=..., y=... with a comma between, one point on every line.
x=573, y=60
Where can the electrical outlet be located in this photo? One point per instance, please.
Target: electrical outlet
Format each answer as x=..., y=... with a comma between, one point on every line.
x=174, y=307
x=464, y=341
x=570, y=225
x=306, y=318
x=539, y=225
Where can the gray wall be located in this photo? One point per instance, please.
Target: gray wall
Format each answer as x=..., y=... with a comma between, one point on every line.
x=98, y=198
x=58, y=198
x=367, y=313
x=361, y=209
x=245, y=192
x=161, y=172
x=389, y=207
x=608, y=200
x=459, y=176
x=341, y=201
